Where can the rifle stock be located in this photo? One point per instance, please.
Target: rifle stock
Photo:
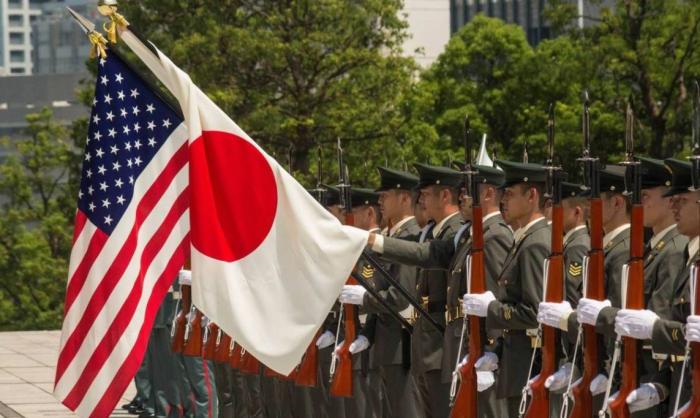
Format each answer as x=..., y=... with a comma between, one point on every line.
x=249, y=364
x=465, y=403
x=307, y=372
x=178, y=336
x=211, y=335
x=193, y=336
x=222, y=347
x=234, y=355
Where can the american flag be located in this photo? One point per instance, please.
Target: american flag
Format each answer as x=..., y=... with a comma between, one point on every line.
x=131, y=238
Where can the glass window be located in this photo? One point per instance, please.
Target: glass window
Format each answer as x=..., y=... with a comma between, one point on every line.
x=16, y=38
x=16, y=56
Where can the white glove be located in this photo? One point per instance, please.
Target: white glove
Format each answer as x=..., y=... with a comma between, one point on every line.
x=598, y=385
x=487, y=362
x=352, y=294
x=588, y=310
x=477, y=303
x=644, y=397
x=325, y=340
x=484, y=380
x=559, y=379
x=361, y=343
x=692, y=329
x=635, y=323
x=552, y=313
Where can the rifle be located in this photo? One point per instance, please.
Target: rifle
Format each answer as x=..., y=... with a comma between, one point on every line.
x=594, y=276
x=177, y=333
x=234, y=355
x=211, y=333
x=249, y=364
x=193, y=334
x=307, y=371
x=692, y=408
x=341, y=377
x=634, y=298
x=223, y=341
x=464, y=401
x=554, y=280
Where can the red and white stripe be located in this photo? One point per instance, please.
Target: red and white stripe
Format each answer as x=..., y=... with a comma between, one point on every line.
x=117, y=282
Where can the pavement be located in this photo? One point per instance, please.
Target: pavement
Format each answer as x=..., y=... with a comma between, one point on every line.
x=27, y=367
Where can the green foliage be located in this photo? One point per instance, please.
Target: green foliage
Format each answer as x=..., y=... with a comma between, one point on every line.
x=35, y=225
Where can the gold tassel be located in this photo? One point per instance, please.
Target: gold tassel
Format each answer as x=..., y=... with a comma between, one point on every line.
x=99, y=45
x=117, y=21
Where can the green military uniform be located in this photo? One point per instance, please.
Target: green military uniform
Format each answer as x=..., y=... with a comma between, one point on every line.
x=427, y=342
x=520, y=292
x=390, y=350
x=668, y=334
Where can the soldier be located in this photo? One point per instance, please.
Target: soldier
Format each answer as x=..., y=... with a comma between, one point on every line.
x=666, y=334
x=439, y=198
x=390, y=351
x=142, y=381
x=577, y=243
x=520, y=284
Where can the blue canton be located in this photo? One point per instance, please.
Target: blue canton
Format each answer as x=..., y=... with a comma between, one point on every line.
x=128, y=125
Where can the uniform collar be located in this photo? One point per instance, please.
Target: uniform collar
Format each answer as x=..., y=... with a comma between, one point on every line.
x=693, y=247
x=376, y=230
x=658, y=237
x=483, y=220
x=520, y=233
x=438, y=227
x=394, y=229
x=610, y=236
x=571, y=233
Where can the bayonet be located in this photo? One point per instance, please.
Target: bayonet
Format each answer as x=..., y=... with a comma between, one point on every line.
x=525, y=156
x=85, y=24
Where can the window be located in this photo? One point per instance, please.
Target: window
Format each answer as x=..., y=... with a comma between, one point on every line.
x=16, y=56
x=16, y=38
x=16, y=21
x=14, y=4
x=17, y=71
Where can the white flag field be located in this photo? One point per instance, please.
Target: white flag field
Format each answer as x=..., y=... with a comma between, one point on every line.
x=268, y=261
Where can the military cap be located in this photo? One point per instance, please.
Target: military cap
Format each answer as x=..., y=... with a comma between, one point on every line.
x=612, y=179
x=432, y=175
x=681, y=179
x=332, y=195
x=491, y=175
x=521, y=173
x=361, y=197
x=396, y=179
x=571, y=190
x=654, y=173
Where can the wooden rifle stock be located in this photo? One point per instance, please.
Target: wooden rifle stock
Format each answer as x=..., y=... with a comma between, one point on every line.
x=222, y=347
x=307, y=372
x=178, y=340
x=595, y=289
x=193, y=336
x=249, y=364
x=465, y=403
x=234, y=355
x=539, y=405
x=211, y=336
x=692, y=409
x=341, y=381
x=635, y=300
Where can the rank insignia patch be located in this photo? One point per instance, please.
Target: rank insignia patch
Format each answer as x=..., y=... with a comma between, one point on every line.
x=368, y=272
x=575, y=269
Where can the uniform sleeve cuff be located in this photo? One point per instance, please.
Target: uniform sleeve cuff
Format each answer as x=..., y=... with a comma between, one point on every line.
x=378, y=244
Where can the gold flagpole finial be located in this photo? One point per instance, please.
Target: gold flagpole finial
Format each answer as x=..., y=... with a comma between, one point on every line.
x=117, y=21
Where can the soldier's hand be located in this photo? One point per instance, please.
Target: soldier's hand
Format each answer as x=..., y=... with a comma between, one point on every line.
x=644, y=397
x=487, y=362
x=635, y=323
x=360, y=344
x=588, y=310
x=692, y=330
x=554, y=314
x=352, y=294
x=477, y=303
x=325, y=340
x=598, y=385
x=484, y=380
x=559, y=379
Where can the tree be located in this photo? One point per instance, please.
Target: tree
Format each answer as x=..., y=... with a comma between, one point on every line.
x=36, y=224
x=293, y=74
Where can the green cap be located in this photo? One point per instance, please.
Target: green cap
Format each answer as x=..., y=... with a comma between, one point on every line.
x=432, y=175
x=361, y=197
x=332, y=195
x=571, y=190
x=681, y=179
x=521, y=172
x=612, y=179
x=490, y=175
x=396, y=179
x=654, y=173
